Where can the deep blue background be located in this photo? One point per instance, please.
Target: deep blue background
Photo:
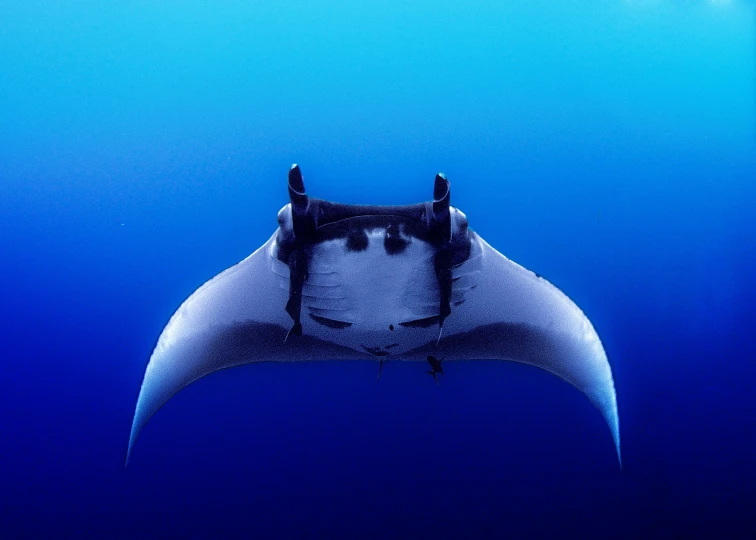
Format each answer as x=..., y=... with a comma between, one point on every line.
x=607, y=145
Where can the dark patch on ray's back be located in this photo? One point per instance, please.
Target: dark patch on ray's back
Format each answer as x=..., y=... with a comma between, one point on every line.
x=330, y=323
x=357, y=239
x=421, y=323
x=393, y=243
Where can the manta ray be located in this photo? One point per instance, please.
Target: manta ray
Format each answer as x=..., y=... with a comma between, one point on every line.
x=412, y=282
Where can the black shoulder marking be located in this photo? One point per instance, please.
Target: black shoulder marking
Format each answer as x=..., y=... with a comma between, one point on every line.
x=393, y=243
x=421, y=323
x=357, y=240
x=330, y=323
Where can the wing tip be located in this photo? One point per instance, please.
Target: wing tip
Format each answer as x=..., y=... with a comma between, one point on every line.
x=140, y=419
x=616, y=437
x=132, y=439
x=612, y=419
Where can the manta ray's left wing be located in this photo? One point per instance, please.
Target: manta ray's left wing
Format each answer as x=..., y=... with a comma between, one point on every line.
x=237, y=317
x=506, y=312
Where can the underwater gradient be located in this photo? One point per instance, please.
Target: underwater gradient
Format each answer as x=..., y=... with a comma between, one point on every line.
x=608, y=146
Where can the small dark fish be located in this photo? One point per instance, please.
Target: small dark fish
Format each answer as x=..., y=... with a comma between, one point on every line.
x=435, y=368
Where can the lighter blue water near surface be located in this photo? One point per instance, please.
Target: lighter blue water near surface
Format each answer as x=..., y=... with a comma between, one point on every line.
x=609, y=146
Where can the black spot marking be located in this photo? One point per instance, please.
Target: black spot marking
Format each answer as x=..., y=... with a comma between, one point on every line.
x=421, y=323
x=392, y=242
x=357, y=240
x=391, y=327
x=458, y=303
x=330, y=323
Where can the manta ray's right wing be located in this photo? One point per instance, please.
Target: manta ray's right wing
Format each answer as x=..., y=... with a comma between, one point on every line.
x=237, y=317
x=507, y=312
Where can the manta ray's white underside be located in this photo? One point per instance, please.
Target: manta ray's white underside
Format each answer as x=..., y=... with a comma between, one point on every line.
x=362, y=304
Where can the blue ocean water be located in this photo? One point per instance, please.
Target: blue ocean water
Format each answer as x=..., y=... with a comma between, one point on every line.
x=609, y=146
